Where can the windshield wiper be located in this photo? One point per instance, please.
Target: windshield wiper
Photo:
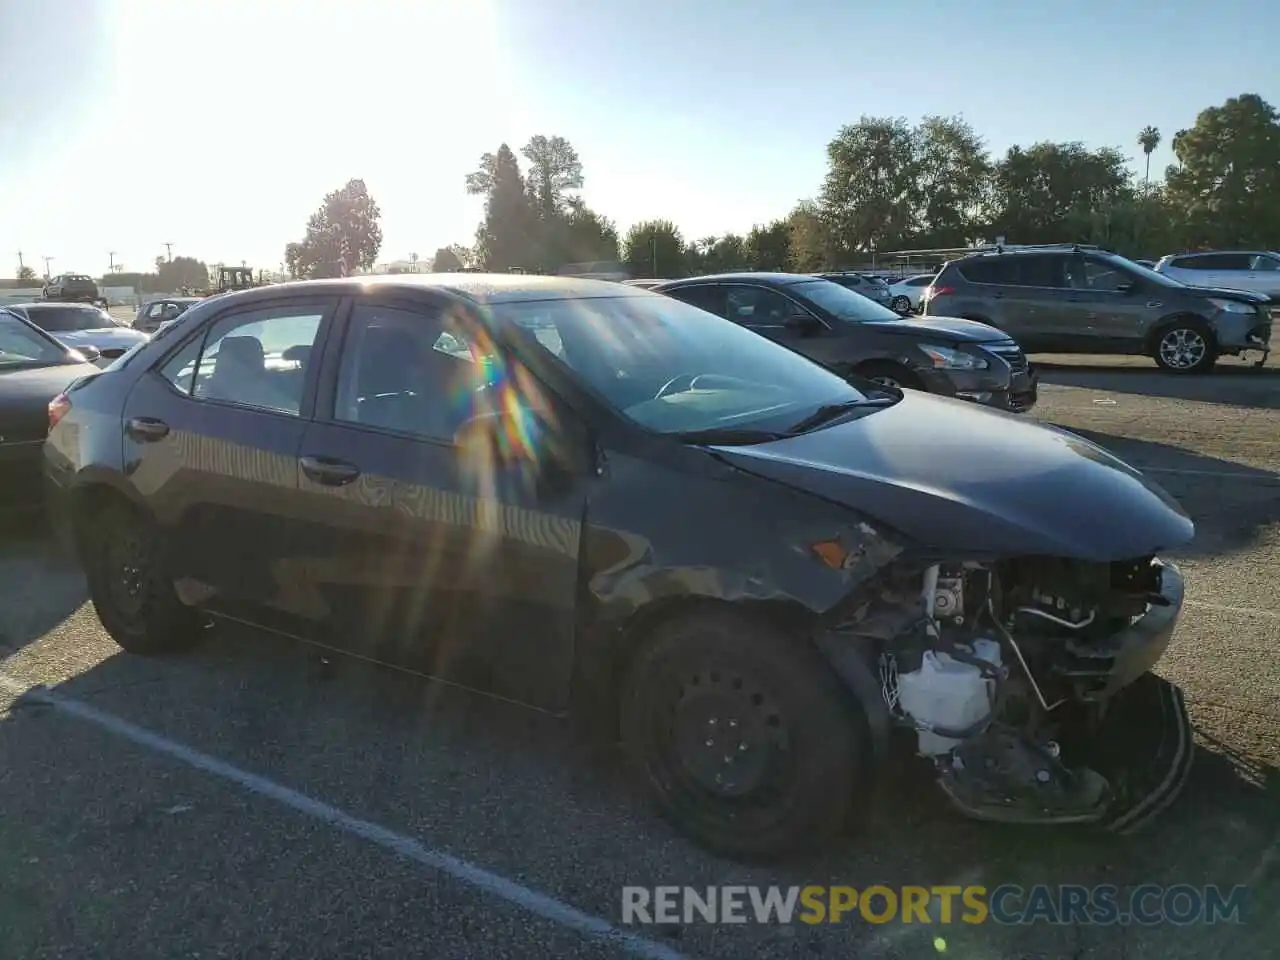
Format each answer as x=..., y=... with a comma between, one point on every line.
x=730, y=436
x=831, y=411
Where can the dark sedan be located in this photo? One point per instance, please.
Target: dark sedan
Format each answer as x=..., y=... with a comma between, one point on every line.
x=584, y=496
x=853, y=336
x=34, y=368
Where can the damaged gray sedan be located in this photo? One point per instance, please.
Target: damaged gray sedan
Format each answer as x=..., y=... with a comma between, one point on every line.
x=583, y=496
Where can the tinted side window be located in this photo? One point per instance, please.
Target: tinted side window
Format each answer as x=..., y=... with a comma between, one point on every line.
x=1039, y=271
x=402, y=370
x=180, y=369
x=758, y=306
x=709, y=298
x=1266, y=263
x=1100, y=275
x=259, y=358
x=990, y=270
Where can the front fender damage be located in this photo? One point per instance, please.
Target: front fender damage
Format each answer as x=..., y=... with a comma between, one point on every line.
x=1026, y=683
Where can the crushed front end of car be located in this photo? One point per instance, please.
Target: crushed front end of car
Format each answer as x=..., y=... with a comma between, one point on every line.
x=1027, y=682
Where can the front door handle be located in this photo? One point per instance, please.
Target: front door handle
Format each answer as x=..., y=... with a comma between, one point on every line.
x=146, y=429
x=329, y=471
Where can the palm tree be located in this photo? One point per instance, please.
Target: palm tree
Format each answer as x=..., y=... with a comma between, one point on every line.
x=1148, y=139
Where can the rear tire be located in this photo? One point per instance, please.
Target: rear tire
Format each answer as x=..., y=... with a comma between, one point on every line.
x=889, y=374
x=744, y=736
x=1185, y=346
x=125, y=565
x=901, y=304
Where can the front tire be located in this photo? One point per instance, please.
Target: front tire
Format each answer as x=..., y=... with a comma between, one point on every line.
x=743, y=735
x=901, y=304
x=129, y=584
x=1185, y=346
x=889, y=374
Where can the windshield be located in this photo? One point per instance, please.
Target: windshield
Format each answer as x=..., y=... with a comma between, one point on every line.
x=675, y=369
x=22, y=346
x=69, y=319
x=841, y=302
x=1145, y=272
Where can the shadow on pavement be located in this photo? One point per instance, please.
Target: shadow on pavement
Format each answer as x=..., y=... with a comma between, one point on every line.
x=520, y=794
x=1233, y=505
x=33, y=566
x=1233, y=385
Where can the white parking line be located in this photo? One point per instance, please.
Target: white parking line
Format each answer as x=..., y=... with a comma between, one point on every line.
x=540, y=904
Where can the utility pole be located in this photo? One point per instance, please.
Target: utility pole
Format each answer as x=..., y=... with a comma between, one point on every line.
x=168, y=249
x=47, y=261
x=112, y=267
x=21, y=266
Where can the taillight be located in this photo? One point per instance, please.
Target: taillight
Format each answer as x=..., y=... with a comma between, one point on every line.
x=931, y=291
x=59, y=407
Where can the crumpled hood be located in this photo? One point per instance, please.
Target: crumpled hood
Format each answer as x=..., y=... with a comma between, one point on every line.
x=965, y=479
x=947, y=329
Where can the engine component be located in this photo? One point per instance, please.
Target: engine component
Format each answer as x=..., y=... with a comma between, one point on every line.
x=948, y=698
x=1003, y=775
x=948, y=599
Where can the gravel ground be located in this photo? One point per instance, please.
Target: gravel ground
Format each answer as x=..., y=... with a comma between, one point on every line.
x=133, y=842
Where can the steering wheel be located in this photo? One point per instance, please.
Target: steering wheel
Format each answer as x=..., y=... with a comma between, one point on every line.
x=666, y=387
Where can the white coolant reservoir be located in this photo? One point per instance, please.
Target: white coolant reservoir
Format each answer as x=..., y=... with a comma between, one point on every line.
x=948, y=693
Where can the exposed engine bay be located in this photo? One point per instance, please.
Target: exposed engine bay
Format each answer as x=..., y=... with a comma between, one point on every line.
x=1026, y=684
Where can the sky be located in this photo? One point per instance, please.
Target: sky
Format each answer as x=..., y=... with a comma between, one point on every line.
x=219, y=127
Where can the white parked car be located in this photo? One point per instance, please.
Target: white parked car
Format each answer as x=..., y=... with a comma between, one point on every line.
x=80, y=324
x=1257, y=271
x=908, y=292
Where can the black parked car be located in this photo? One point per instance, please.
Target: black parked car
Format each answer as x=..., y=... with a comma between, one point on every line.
x=585, y=496
x=34, y=368
x=853, y=336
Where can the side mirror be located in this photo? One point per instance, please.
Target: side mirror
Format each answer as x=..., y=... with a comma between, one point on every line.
x=91, y=354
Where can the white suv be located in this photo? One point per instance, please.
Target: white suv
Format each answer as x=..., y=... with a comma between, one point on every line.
x=1257, y=271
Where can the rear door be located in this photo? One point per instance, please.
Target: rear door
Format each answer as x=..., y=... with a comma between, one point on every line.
x=211, y=440
x=414, y=555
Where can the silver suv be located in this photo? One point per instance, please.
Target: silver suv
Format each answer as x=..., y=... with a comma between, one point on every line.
x=1255, y=270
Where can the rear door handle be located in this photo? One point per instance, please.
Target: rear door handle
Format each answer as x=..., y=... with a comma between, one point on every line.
x=146, y=429
x=329, y=471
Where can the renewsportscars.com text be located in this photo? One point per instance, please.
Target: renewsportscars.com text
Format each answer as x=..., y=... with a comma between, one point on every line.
x=1147, y=904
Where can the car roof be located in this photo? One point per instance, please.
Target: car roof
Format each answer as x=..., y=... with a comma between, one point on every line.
x=752, y=276
x=482, y=288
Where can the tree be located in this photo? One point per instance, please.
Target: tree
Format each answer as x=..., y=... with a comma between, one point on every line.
x=812, y=241
x=580, y=235
x=446, y=261
x=1227, y=184
x=870, y=186
x=182, y=272
x=951, y=179
x=1148, y=139
x=343, y=236
x=1051, y=192
x=554, y=170
x=654, y=248
x=26, y=273
x=504, y=238
x=768, y=246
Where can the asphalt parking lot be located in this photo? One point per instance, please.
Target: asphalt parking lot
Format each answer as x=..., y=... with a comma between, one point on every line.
x=256, y=798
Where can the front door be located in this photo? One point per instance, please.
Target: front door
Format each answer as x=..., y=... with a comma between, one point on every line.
x=211, y=441
x=418, y=554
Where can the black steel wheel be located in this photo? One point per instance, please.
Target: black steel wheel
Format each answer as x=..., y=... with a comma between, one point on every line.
x=129, y=584
x=744, y=736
